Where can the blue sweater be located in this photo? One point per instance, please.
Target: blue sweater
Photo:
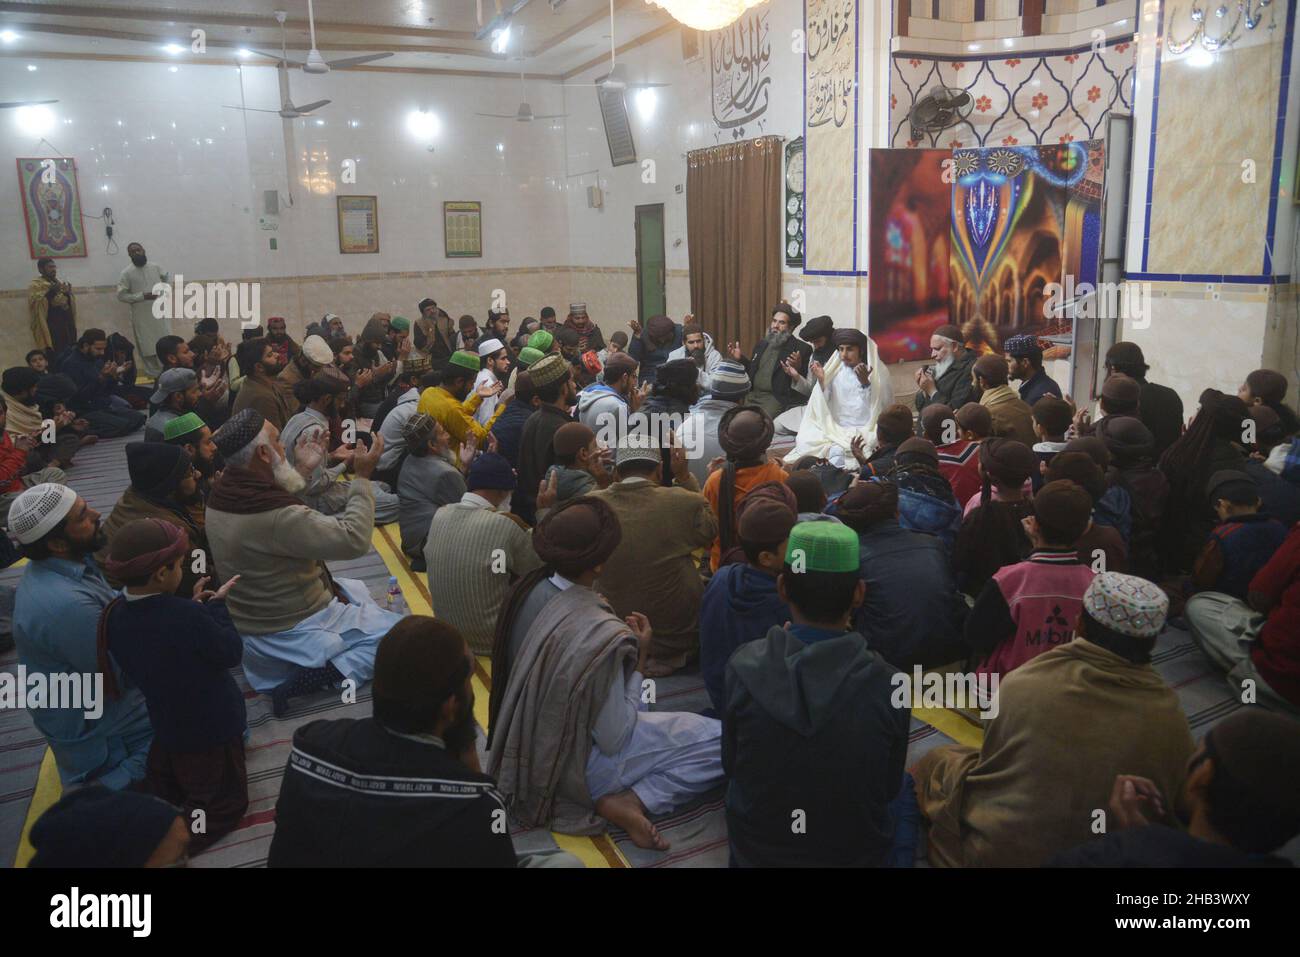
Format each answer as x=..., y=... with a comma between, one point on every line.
x=509, y=429
x=740, y=604
x=179, y=653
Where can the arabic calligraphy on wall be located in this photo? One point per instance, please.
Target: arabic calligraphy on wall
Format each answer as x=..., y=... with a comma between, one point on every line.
x=830, y=147
x=740, y=56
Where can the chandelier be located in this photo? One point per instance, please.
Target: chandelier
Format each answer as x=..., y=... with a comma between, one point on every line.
x=705, y=14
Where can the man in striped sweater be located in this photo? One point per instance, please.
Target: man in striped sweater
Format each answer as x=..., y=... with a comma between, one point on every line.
x=476, y=549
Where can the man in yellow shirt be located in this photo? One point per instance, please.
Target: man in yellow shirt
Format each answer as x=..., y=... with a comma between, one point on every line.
x=454, y=403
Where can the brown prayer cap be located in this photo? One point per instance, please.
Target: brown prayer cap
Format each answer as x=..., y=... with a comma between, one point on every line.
x=934, y=416
x=745, y=432
x=1126, y=437
x=1121, y=388
x=975, y=418
x=1065, y=509
x=917, y=448
x=765, y=521
x=1092, y=447
x=992, y=369
x=143, y=546
x=571, y=438
x=578, y=535
x=949, y=332
x=867, y=503
x=1008, y=461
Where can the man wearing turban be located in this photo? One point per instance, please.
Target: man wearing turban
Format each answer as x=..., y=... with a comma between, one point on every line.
x=570, y=746
x=852, y=390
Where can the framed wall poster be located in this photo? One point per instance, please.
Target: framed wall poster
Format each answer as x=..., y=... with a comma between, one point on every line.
x=358, y=224
x=51, y=207
x=462, y=229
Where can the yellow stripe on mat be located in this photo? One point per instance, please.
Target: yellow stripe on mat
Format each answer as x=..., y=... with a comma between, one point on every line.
x=951, y=724
x=48, y=791
x=596, y=851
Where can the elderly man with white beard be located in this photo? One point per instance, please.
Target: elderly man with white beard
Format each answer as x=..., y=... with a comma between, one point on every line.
x=948, y=381
x=303, y=629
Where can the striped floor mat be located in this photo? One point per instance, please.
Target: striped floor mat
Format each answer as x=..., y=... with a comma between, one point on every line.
x=697, y=832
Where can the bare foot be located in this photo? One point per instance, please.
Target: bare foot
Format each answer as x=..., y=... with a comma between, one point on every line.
x=626, y=810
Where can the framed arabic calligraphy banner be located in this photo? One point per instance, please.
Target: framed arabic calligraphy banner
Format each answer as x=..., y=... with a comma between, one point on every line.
x=51, y=207
x=740, y=57
x=830, y=135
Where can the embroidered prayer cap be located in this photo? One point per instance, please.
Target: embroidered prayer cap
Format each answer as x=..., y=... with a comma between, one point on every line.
x=416, y=363
x=240, y=429
x=141, y=547
x=1127, y=604
x=637, y=447
x=400, y=323
x=1023, y=347
x=591, y=362
x=491, y=471
x=541, y=340
x=98, y=827
x=417, y=429
x=465, y=360
x=317, y=350
x=528, y=355
x=822, y=547
x=729, y=378
x=548, y=369
x=577, y=308
x=818, y=327
x=171, y=382
x=38, y=509
x=182, y=425
x=489, y=346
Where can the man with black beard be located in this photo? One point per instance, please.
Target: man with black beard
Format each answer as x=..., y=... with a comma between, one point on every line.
x=164, y=485
x=192, y=434
x=818, y=335
x=135, y=287
x=948, y=380
x=260, y=389
x=402, y=788
x=773, y=388
x=697, y=345
x=56, y=620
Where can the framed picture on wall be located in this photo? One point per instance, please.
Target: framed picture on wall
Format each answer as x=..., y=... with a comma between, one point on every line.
x=462, y=229
x=358, y=224
x=51, y=207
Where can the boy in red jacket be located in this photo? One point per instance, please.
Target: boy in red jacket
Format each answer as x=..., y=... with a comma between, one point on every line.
x=15, y=476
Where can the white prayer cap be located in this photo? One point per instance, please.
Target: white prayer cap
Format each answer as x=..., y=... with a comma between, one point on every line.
x=317, y=350
x=489, y=347
x=39, y=509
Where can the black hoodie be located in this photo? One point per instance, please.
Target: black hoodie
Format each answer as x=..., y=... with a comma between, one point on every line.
x=810, y=728
x=358, y=795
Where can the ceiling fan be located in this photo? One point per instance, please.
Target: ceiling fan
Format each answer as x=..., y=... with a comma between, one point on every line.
x=617, y=78
x=525, y=112
x=315, y=63
x=22, y=103
x=287, y=109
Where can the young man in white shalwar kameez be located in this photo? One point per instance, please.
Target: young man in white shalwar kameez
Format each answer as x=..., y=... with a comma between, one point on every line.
x=135, y=288
x=850, y=393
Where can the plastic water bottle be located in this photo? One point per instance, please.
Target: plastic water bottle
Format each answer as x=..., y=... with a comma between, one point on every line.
x=394, y=600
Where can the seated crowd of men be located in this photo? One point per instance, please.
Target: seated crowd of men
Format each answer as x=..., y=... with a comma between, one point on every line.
x=597, y=516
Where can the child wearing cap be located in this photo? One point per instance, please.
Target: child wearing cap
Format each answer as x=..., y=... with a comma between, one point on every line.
x=1243, y=541
x=179, y=652
x=809, y=724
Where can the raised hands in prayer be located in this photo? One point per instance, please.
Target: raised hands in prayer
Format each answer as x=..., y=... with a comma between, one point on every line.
x=404, y=349
x=859, y=449
x=1132, y=799
x=733, y=350
x=863, y=372
x=548, y=492
x=489, y=389
x=363, y=378
x=638, y=396
x=925, y=380
x=468, y=449
x=635, y=326
x=203, y=593
x=365, y=460
x=309, y=451
x=818, y=372
x=791, y=366
x=677, y=459
x=717, y=462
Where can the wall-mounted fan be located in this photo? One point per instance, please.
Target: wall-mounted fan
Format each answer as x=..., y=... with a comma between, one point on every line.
x=940, y=109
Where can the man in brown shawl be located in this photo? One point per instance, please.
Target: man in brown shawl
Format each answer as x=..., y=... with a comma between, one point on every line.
x=571, y=743
x=53, y=309
x=1066, y=724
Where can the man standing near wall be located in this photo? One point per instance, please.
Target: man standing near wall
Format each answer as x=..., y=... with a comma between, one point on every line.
x=53, y=310
x=135, y=287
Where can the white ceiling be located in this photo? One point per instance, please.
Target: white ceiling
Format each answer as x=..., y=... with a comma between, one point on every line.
x=548, y=38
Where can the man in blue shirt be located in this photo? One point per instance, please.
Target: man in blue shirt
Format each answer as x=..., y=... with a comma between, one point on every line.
x=56, y=619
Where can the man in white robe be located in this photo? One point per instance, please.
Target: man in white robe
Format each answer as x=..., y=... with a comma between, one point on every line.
x=135, y=287
x=852, y=390
x=496, y=369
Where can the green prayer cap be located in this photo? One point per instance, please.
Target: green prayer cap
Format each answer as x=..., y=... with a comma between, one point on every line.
x=541, y=340
x=822, y=547
x=528, y=355
x=182, y=425
x=466, y=360
x=400, y=323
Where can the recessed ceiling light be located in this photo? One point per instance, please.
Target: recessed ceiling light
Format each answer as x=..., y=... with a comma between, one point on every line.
x=173, y=48
x=31, y=68
x=172, y=69
x=8, y=36
x=244, y=52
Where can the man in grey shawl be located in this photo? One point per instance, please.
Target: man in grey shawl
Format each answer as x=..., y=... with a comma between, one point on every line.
x=571, y=743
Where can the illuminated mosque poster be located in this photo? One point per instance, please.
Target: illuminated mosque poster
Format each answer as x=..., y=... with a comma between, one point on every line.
x=51, y=207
